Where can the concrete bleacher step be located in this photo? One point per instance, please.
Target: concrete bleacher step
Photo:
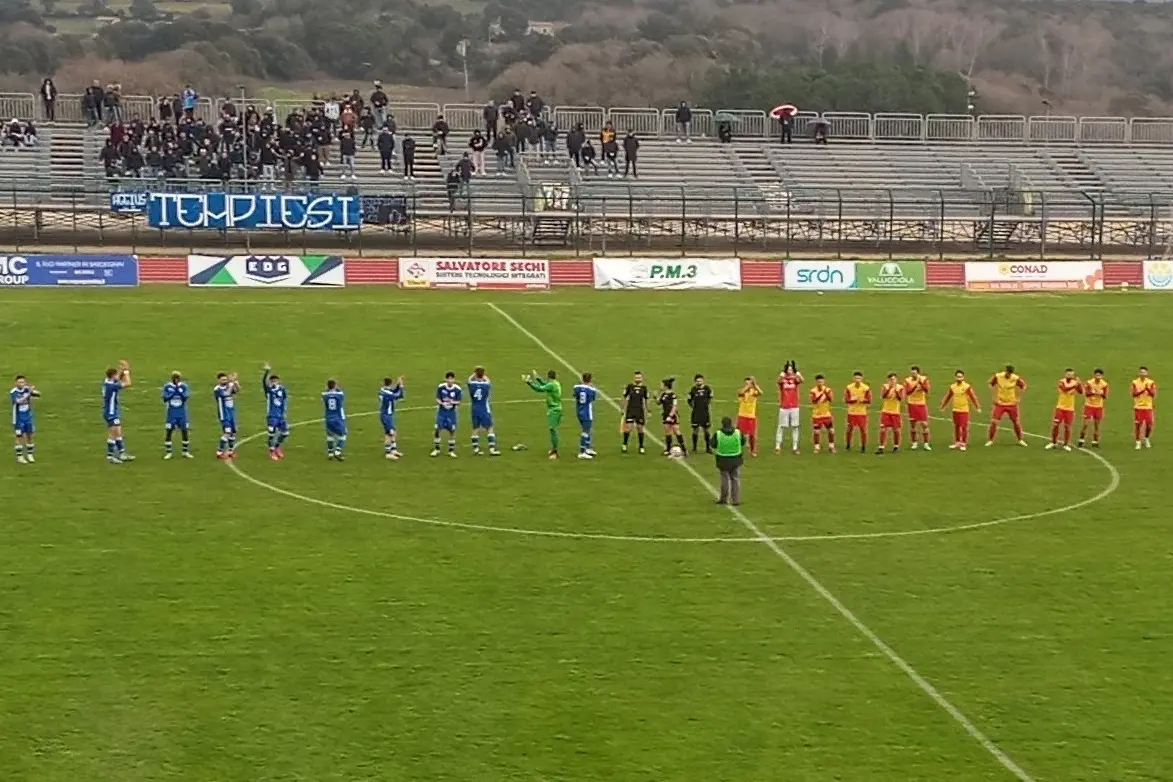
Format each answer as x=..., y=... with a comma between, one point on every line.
x=1071, y=165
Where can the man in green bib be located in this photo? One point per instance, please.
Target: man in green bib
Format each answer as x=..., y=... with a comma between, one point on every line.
x=728, y=443
x=553, y=391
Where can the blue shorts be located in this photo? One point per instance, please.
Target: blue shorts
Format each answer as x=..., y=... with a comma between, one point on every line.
x=228, y=426
x=277, y=424
x=112, y=420
x=586, y=424
x=446, y=420
x=176, y=422
x=388, y=422
x=482, y=419
x=24, y=426
x=335, y=428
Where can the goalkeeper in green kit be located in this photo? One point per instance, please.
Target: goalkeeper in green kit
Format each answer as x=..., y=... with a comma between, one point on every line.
x=553, y=391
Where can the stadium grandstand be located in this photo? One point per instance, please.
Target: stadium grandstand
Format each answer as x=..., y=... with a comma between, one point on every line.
x=900, y=182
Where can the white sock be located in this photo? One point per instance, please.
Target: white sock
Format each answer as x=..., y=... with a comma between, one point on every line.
x=794, y=438
x=779, y=434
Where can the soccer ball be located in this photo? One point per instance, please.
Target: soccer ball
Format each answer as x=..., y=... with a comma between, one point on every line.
x=675, y=452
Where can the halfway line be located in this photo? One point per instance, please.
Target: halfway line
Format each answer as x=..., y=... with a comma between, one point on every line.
x=920, y=681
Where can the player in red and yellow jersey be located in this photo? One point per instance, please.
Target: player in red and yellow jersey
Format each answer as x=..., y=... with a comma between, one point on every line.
x=821, y=397
x=857, y=396
x=1069, y=387
x=962, y=398
x=1008, y=389
x=1095, y=392
x=1144, y=395
x=788, y=387
x=916, y=394
x=891, y=395
x=747, y=412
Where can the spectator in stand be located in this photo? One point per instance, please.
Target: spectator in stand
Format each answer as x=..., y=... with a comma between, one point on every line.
x=111, y=159
x=366, y=123
x=588, y=157
x=464, y=166
x=452, y=186
x=548, y=137
x=527, y=134
x=609, y=144
x=786, y=122
x=386, y=145
x=408, y=157
x=508, y=114
x=501, y=148
x=379, y=103
x=91, y=103
x=332, y=110
x=163, y=109
x=347, y=149
x=440, y=135
x=14, y=132
x=517, y=102
x=575, y=140
x=683, y=123
x=177, y=108
x=30, y=134
x=113, y=103
x=477, y=145
x=489, y=114
x=189, y=97
x=269, y=157
x=348, y=118
x=630, y=154
x=725, y=131
x=535, y=105
x=49, y=99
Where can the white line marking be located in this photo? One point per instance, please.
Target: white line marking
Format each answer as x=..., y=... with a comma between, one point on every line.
x=848, y=536
x=920, y=681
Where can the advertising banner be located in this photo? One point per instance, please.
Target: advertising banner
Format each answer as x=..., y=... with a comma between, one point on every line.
x=257, y=211
x=127, y=202
x=385, y=210
x=266, y=271
x=890, y=275
x=1015, y=276
x=714, y=274
x=490, y=273
x=18, y=271
x=819, y=275
x=1158, y=276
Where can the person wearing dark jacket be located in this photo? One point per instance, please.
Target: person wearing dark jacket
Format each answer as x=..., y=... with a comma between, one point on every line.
x=534, y=104
x=386, y=144
x=49, y=99
x=378, y=103
x=588, y=157
x=489, y=114
x=440, y=135
x=366, y=123
x=477, y=145
x=630, y=154
x=729, y=443
x=609, y=145
x=786, y=122
x=547, y=139
x=464, y=168
x=517, y=102
x=408, y=157
x=347, y=149
x=92, y=103
x=575, y=140
x=683, y=123
x=452, y=187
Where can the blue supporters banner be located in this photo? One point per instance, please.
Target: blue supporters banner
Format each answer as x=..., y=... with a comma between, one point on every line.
x=259, y=211
x=385, y=210
x=129, y=202
x=19, y=271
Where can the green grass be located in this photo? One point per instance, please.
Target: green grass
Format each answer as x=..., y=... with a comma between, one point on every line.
x=174, y=621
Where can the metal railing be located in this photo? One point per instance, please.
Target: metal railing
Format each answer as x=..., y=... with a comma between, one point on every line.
x=748, y=123
x=572, y=220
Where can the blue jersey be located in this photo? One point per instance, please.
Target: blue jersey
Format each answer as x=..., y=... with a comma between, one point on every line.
x=276, y=404
x=334, y=404
x=175, y=396
x=22, y=410
x=111, y=392
x=584, y=403
x=480, y=389
x=225, y=397
x=389, y=396
x=447, y=399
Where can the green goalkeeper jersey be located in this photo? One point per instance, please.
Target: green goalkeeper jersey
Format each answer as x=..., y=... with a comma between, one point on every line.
x=552, y=389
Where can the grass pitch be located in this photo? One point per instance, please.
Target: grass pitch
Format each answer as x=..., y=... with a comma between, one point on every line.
x=176, y=620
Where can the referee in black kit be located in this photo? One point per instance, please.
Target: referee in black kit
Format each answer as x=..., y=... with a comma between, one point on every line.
x=700, y=399
x=635, y=410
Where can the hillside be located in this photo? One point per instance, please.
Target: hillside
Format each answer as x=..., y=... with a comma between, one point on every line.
x=894, y=55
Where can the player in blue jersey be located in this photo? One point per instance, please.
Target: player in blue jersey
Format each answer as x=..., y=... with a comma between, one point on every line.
x=585, y=395
x=334, y=402
x=276, y=412
x=448, y=396
x=480, y=389
x=116, y=380
x=224, y=392
x=175, y=395
x=390, y=395
x=23, y=425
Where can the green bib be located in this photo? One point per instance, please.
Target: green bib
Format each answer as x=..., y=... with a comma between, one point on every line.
x=729, y=444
